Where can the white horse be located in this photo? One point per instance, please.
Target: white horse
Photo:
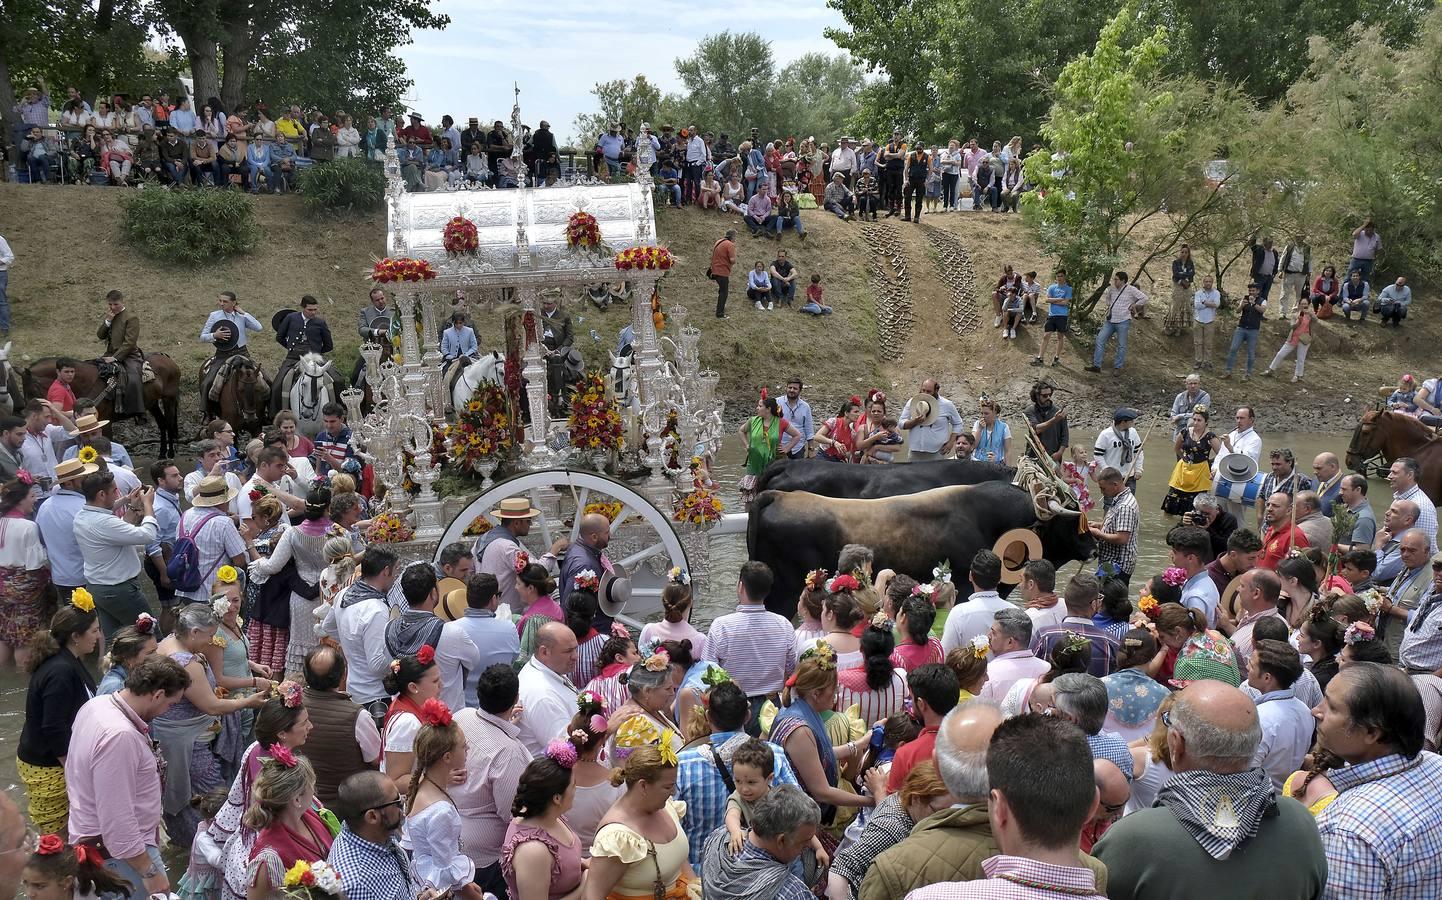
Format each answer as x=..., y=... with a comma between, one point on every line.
x=489, y=367
x=11, y=394
x=314, y=387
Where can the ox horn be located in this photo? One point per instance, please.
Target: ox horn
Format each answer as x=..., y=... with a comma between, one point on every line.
x=1058, y=510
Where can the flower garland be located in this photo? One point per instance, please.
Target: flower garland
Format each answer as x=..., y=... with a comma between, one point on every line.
x=482, y=430
x=595, y=422
x=460, y=236
x=698, y=506
x=389, y=528
x=646, y=257
x=582, y=230
x=404, y=268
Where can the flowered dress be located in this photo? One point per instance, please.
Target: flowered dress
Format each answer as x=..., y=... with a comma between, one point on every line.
x=1076, y=476
x=267, y=641
x=24, y=580
x=1192, y=474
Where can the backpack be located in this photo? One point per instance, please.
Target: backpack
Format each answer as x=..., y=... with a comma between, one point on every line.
x=184, y=566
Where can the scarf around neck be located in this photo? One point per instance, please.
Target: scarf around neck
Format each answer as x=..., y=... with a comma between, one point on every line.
x=1221, y=812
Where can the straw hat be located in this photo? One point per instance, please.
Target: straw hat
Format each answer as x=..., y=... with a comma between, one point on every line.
x=73, y=468
x=1016, y=548
x=923, y=406
x=213, y=490
x=614, y=591
x=515, y=508
x=88, y=424
x=453, y=599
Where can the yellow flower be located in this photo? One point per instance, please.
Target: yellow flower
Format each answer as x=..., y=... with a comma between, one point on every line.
x=295, y=873
x=80, y=599
x=217, y=641
x=87, y=455
x=226, y=575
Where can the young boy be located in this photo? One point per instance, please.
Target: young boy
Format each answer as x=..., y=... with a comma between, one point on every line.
x=878, y=452
x=333, y=448
x=1031, y=295
x=752, y=766
x=1058, y=297
x=1357, y=567
x=1011, y=311
x=813, y=298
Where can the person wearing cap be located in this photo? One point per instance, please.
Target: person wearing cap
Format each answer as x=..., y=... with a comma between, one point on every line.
x=543, y=148
x=472, y=135
x=1120, y=446
x=1121, y=301
x=496, y=550
x=45, y=426
x=109, y=544
x=932, y=423
x=218, y=541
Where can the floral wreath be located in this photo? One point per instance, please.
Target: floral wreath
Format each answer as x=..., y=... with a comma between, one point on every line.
x=81, y=599
x=145, y=623
x=980, y=647
x=289, y=693
x=589, y=703
x=842, y=583
x=523, y=559
x=586, y=580
x=678, y=575
x=1174, y=576
x=1075, y=642
x=816, y=579
x=658, y=661
x=562, y=753
x=435, y=713
x=1358, y=632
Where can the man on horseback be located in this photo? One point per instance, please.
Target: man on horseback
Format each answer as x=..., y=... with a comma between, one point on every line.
x=299, y=333
x=458, y=341
x=225, y=329
x=60, y=392
x=121, y=333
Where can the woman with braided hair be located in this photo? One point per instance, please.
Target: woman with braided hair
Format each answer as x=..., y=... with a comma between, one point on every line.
x=433, y=824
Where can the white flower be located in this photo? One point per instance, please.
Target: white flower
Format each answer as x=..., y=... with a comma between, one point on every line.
x=941, y=574
x=326, y=877
x=926, y=589
x=221, y=605
x=980, y=643
x=1373, y=601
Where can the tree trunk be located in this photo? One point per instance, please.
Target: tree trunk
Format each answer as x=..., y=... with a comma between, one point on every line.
x=92, y=74
x=236, y=59
x=203, y=68
x=9, y=119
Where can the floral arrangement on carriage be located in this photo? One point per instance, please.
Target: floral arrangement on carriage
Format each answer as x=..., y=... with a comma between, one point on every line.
x=609, y=510
x=483, y=434
x=401, y=268
x=460, y=236
x=595, y=422
x=389, y=528
x=479, y=526
x=645, y=257
x=698, y=506
x=583, y=232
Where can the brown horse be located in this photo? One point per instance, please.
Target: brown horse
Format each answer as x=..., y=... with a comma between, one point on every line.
x=162, y=396
x=1392, y=435
x=244, y=396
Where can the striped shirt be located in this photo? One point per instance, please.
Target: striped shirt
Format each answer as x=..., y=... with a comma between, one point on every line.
x=612, y=692
x=910, y=656
x=495, y=759
x=851, y=689
x=218, y=542
x=1426, y=511
x=1383, y=833
x=588, y=655
x=756, y=647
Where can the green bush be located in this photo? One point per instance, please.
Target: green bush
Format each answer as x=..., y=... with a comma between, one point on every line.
x=343, y=187
x=189, y=226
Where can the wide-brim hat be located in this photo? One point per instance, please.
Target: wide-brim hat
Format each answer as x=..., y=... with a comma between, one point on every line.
x=73, y=468
x=515, y=508
x=226, y=334
x=1016, y=548
x=614, y=591
x=1237, y=468
x=88, y=424
x=278, y=318
x=923, y=406
x=1229, y=603
x=213, y=490
x=453, y=599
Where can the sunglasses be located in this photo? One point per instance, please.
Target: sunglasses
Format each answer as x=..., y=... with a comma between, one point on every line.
x=399, y=801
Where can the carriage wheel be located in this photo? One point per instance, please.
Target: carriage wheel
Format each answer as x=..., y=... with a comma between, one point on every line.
x=643, y=539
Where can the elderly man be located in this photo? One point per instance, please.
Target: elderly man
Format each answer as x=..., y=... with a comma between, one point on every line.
x=1116, y=536
x=1353, y=495
x=366, y=849
x=1403, y=476
x=1242, y=439
x=1082, y=700
x=1186, y=403
x=1113, y=792
x=1310, y=519
x=1258, y=595
x=1327, y=469
x=1420, y=652
x=1393, y=302
x=1191, y=549
x=496, y=551
x=1272, y=672
x=839, y=199
x=1405, y=592
x=1207, y=512
x=1011, y=659
x=1082, y=598
x=782, y=825
x=1382, y=832
x=1280, y=536
x=1183, y=847
x=548, y=698
x=587, y=552
x=357, y=620
x=1400, y=518
x=932, y=425
x=495, y=759
x=343, y=738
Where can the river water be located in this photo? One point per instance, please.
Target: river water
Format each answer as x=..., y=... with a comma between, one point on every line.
x=717, y=595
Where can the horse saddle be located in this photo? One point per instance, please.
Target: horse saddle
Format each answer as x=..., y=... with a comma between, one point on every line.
x=109, y=370
x=231, y=364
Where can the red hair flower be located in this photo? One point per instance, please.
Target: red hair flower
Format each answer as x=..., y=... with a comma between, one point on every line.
x=523, y=559
x=426, y=655
x=24, y=478
x=435, y=713
x=50, y=844
x=843, y=583
x=281, y=754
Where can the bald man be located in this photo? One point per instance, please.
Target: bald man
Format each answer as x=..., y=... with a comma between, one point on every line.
x=1219, y=820
x=588, y=552
x=1399, y=518
x=951, y=844
x=1113, y=792
x=548, y=697
x=1328, y=471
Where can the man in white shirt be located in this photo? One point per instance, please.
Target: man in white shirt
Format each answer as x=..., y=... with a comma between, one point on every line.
x=45, y=428
x=1286, y=721
x=1012, y=660
x=1120, y=447
x=1242, y=439
x=1204, y=314
x=357, y=621
x=974, y=618
x=1191, y=549
x=933, y=425
x=1403, y=477
x=548, y=698
x=111, y=546
x=1038, y=594
x=419, y=626
x=216, y=538
x=272, y=468
x=843, y=160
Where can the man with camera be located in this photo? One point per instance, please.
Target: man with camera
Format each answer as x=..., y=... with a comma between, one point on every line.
x=1207, y=513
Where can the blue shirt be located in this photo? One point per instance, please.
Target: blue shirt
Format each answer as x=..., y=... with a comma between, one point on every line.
x=56, y=521
x=758, y=280
x=1058, y=292
x=242, y=322
x=799, y=415
x=167, y=520
x=1383, y=833
x=118, y=454
x=611, y=145
x=258, y=154
x=455, y=344
x=113, y=681
x=183, y=121
x=495, y=638
x=1108, y=746
x=700, y=785
x=370, y=871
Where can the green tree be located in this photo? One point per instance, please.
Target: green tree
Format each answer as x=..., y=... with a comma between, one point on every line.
x=730, y=84
x=631, y=101
x=819, y=94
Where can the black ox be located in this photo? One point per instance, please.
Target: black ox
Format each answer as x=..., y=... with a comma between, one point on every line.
x=844, y=481
x=796, y=531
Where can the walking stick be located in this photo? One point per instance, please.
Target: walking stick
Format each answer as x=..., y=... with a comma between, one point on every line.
x=1136, y=456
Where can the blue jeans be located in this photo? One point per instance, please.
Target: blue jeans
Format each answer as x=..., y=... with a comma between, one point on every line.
x=1239, y=337
x=4, y=301
x=673, y=193
x=1363, y=265
x=125, y=870
x=175, y=169
x=783, y=221
x=1120, y=329
x=1264, y=285
x=816, y=309
x=785, y=290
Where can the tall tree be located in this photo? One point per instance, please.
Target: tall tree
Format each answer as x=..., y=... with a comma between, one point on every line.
x=730, y=84
x=819, y=94
x=631, y=101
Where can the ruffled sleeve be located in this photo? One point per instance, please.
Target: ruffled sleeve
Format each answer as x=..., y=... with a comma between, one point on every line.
x=521, y=834
x=618, y=841
x=435, y=834
x=267, y=861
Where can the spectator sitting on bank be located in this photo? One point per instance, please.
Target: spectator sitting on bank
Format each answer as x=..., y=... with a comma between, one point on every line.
x=1355, y=291
x=758, y=213
x=669, y=183
x=839, y=198
x=758, y=285
x=813, y=298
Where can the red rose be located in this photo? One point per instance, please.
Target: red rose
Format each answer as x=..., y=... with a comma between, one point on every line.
x=308, y=879
x=426, y=655
x=50, y=844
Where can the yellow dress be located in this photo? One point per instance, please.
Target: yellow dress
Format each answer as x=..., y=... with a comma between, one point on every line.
x=642, y=868
x=1316, y=807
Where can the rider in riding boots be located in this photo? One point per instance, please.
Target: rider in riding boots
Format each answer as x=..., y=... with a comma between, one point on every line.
x=225, y=328
x=121, y=333
x=458, y=341
x=300, y=333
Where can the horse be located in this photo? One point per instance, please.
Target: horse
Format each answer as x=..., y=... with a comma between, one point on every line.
x=242, y=395
x=12, y=394
x=466, y=379
x=162, y=393
x=1391, y=435
x=308, y=386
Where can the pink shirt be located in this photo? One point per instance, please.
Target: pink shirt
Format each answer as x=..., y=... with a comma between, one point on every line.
x=113, y=778
x=1009, y=668
x=495, y=759
x=656, y=632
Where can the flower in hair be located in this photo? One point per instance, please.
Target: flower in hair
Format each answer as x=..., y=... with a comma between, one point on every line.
x=145, y=623
x=658, y=661
x=80, y=599
x=523, y=559
x=289, y=693
x=598, y=724
x=942, y=573
x=226, y=575
x=25, y=478
x=667, y=747
x=822, y=653
x=563, y=753
x=1357, y=632
x=50, y=844
x=586, y=580
x=426, y=655
x=220, y=605
x=590, y=702
x=842, y=583
x=1076, y=641
x=395, y=667
x=815, y=579
x=714, y=675
x=980, y=647
x=923, y=590
x=435, y=713
x=881, y=621
x=580, y=734
x=1149, y=606
x=678, y=575
x=1175, y=576
x=281, y=754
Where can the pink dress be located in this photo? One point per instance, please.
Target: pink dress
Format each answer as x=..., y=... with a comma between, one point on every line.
x=656, y=632
x=565, y=861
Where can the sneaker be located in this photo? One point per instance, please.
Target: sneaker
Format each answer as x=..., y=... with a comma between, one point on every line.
x=771, y=306
x=1227, y=373
x=760, y=305
x=1093, y=369
x=1055, y=361
x=1246, y=376
x=906, y=218
x=1267, y=372
x=996, y=323
x=1296, y=378
x=1036, y=361
x=1012, y=333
